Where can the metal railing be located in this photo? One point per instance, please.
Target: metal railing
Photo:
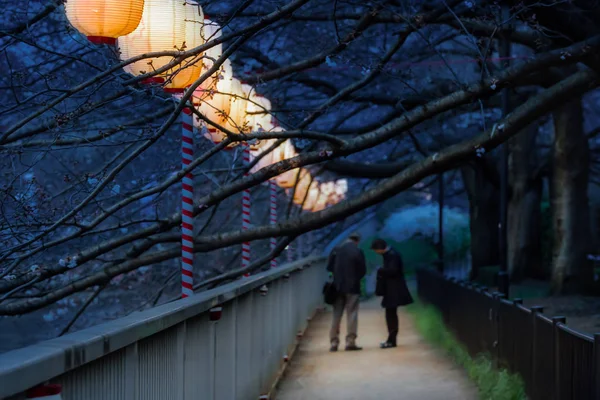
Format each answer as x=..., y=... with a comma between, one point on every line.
x=555, y=361
x=223, y=344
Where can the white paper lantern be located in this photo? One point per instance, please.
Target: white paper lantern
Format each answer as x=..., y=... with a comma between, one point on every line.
x=305, y=181
x=287, y=179
x=268, y=158
x=212, y=31
x=215, y=106
x=339, y=193
x=312, y=197
x=325, y=191
x=237, y=120
x=259, y=117
x=166, y=25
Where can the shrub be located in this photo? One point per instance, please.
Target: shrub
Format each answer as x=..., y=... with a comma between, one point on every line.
x=493, y=384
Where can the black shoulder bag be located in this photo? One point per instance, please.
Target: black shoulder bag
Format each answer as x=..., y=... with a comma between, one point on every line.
x=330, y=293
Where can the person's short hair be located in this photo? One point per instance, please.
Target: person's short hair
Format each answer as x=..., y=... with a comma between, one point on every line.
x=379, y=244
x=354, y=236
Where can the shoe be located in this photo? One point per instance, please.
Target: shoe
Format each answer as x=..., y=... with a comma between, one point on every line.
x=387, y=345
x=333, y=349
x=353, y=348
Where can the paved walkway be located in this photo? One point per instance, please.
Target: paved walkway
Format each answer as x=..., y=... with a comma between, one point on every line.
x=412, y=371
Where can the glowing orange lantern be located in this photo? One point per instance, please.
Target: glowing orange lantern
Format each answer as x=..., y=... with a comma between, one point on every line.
x=287, y=179
x=166, y=25
x=305, y=181
x=312, y=197
x=103, y=21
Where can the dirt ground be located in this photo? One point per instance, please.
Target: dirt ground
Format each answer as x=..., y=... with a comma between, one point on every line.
x=582, y=313
x=413, y=370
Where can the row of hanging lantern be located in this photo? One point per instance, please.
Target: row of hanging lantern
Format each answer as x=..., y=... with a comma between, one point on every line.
x=139, y=27
x=144, y=26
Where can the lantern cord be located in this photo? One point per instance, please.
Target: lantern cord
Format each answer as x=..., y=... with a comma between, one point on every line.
x=273, y=216
x=246, y=211
x=187, y=205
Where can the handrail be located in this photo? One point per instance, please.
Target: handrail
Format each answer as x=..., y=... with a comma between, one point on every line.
x=24, y=368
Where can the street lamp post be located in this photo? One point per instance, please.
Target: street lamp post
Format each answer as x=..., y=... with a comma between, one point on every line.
x=441, y=222
x=505, y=54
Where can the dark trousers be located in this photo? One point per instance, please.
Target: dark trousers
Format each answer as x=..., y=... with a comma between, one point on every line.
x=391, y=319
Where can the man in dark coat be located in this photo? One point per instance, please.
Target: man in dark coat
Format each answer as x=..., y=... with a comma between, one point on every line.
x=392, y=286
x=348, y=266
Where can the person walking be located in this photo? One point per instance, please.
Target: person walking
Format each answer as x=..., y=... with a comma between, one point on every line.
x=391, y=284
x=348, y=266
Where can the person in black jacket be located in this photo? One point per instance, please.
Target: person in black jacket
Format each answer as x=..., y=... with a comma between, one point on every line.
x=348, y=266
x=392, y=286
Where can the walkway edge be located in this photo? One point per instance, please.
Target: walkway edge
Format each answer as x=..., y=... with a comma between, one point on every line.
x=272, y=395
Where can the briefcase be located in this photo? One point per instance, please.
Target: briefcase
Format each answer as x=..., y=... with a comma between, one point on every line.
x=329, y=293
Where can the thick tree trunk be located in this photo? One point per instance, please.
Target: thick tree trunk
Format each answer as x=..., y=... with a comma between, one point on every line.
x=524, y=212
x=483, y=212
x=571, y=270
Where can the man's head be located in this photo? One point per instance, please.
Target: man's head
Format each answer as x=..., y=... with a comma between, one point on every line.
x=355, y=237
x=379, y=246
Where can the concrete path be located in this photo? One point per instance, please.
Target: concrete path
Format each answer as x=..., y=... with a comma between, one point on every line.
x=412, y=371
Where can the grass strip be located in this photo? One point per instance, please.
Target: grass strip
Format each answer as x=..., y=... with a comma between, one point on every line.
x=493, y=384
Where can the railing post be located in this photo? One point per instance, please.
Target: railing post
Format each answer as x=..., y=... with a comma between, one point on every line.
x=535, y=310
x=596, y=364
x=556, y=353
x=518, y=302
x=497, y=301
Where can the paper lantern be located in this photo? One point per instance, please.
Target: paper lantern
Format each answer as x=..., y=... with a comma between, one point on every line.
x=339, y=193
x=212, y=31
x=215, y=106
x=237, y=120
x=267, y=159
x=325, y=191
x=191, y=68
x=311, y=198
x=103, y=21
x=305, y=180
x=212, y=101
x=226, y=74
x=248, y=88
x=283, y=152
x=259, y=116
x=166, y=25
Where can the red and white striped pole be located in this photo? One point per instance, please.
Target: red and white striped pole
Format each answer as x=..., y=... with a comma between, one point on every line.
x=246, y=212
x=273, y=217
x=187, y=205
